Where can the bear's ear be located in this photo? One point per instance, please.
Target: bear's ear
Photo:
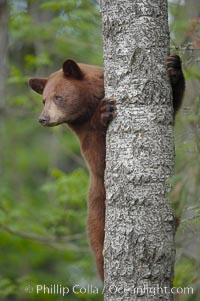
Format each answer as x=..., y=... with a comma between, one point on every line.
x=38, y=84
x=71, y=69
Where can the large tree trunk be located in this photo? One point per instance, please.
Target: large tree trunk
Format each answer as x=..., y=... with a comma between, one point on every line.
x=139, y=240
x=3, y=68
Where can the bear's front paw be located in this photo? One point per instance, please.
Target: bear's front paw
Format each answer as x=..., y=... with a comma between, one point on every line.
x=107, y=109
x=174, y=68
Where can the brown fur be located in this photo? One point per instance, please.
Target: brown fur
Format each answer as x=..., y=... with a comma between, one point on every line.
x=74, y=95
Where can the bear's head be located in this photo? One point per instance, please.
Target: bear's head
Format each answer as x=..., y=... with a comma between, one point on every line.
x=71, y=94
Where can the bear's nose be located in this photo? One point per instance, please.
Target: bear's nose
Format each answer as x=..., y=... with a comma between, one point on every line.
x=44, y=120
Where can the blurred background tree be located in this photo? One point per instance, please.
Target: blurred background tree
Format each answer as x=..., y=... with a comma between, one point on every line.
x=44, y=179
x=185, y=195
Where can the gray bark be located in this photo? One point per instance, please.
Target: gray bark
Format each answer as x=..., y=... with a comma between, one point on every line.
x=3, y=68
x=139, y=233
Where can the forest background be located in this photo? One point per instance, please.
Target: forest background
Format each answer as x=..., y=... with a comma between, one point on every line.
x=44, y=179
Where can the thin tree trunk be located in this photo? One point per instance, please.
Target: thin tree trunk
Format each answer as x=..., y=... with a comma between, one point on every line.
x=39, y=16
x=139, y=240
x=3, y=69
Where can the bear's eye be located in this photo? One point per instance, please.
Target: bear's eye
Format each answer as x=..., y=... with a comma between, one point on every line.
x=58, y=98
x=43, y=101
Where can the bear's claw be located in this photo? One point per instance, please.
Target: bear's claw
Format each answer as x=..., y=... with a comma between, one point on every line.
x=107, y=110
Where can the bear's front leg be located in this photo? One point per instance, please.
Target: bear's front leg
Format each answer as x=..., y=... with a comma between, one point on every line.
x=177, y=80
x=103, y=114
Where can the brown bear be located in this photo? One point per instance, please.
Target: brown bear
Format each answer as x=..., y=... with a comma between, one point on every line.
x=75, y=95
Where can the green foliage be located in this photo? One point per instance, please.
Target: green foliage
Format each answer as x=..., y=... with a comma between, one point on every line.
x=43, y=190
x=50, y=236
